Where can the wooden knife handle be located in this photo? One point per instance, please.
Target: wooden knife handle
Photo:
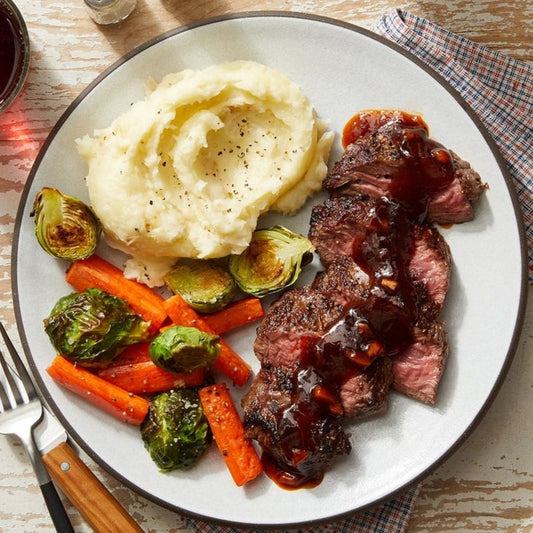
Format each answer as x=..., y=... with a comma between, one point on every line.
x=95, y=503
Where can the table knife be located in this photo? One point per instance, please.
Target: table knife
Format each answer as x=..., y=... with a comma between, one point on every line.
x=95, y=503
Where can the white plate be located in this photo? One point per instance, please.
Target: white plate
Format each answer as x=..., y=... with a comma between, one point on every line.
x=343, y=69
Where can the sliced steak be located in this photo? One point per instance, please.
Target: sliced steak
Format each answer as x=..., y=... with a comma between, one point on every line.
x=293, y=426
x=388, y=252
x=344, y=282
x=291, y=327
x=370, y=321
x=366, y=392
x=455, y=204
x=386, y=311
x=418, y=370
x=418, y=354
x=429, y=269
x=400, y=161
x=338, y=224
x=373, y=231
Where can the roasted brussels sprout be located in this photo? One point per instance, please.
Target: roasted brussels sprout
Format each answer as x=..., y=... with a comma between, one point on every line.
x=184, y=349
x=175, y=431
x=272, y=262
x=65, y=227
x=205, y=285
x=92, y=327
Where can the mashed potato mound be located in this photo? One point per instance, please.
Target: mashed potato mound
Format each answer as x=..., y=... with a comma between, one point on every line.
x=187, y=171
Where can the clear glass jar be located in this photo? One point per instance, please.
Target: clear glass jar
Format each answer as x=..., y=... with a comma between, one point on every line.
x=109, y=11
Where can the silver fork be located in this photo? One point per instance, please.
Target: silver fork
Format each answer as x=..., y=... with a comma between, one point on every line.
x=20, y=412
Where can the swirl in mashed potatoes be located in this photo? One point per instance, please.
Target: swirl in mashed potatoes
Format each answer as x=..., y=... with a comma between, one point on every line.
x=187, y=171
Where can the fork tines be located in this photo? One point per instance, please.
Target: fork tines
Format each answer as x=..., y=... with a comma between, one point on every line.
x=18, y=389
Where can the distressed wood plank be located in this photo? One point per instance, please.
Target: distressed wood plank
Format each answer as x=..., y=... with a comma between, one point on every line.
x=487, y=484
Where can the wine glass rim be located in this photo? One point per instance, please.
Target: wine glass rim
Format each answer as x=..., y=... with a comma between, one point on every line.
x=21, y=28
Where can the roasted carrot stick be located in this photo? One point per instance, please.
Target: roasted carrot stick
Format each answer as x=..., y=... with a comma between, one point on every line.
x=134, y=371
x=112, y=399
x=131, y=354
x=97, y=272
x=240, y=456
x=228, y=361
x=235, y=315
x=147, y=378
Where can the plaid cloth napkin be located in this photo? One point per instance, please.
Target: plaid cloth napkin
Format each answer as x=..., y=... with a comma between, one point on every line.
x=497, y=87
x=390, y=517
x=500, y=91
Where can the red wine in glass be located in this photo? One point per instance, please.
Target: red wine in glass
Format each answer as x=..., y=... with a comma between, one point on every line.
x=14, y=48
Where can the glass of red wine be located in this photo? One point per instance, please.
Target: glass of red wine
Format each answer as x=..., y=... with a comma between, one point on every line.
x=14, y=53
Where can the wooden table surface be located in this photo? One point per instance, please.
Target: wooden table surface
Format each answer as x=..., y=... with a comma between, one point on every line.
x=487, y=485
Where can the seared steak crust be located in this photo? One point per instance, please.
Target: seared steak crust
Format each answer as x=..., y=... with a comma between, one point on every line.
x=344, y=282
x=292, y=324
x=290, y=425
x=341, y=224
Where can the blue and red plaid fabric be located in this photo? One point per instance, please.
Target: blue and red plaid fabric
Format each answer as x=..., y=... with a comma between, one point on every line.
x=498, y=88
x=391, y=517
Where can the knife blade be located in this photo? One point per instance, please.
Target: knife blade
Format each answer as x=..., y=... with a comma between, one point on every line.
x=94, y=502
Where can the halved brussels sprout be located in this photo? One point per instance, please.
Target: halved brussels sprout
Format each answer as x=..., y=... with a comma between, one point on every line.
x=92, y=327
x=272, y=262
x=65, y=227
x=184, y=349
x=176, y=432
x=205, y=285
